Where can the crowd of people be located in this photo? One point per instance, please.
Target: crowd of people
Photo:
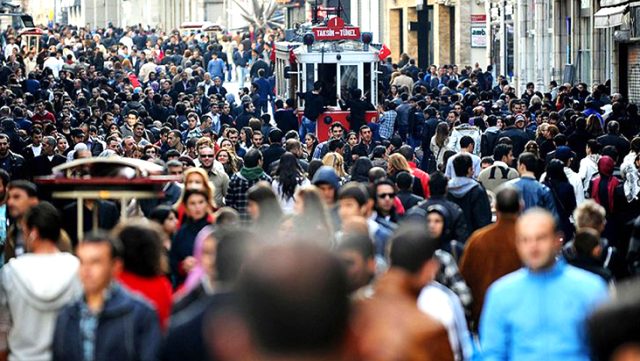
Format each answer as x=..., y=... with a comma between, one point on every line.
x=464, y=222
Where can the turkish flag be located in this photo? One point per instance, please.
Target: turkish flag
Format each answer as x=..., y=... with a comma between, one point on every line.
x=384, y=52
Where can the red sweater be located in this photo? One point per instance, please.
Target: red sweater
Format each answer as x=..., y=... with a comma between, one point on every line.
x=156, y=290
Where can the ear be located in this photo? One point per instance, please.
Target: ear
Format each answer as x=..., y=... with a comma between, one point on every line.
x=118, y=266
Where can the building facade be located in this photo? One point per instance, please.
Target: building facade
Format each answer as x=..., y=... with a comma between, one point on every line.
x=569, y=41
x=436, y=31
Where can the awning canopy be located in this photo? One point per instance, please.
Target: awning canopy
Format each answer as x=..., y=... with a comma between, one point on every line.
x=609, y=17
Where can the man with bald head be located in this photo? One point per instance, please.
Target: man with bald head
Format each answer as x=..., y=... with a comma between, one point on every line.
x=539, y=311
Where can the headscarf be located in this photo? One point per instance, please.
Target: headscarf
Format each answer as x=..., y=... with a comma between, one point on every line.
x=197, y=273
x=606, y=165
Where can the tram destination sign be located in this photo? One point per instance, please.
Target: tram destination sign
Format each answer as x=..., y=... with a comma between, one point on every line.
x=336, y=30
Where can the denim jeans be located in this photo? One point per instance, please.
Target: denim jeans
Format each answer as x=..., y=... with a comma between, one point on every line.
x=307, y=126
x=242, y=74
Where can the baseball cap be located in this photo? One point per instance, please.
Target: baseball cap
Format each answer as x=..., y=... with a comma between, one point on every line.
x=564, y=153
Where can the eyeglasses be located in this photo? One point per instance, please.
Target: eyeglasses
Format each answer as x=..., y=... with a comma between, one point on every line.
x=386, y=195
x=206, y=155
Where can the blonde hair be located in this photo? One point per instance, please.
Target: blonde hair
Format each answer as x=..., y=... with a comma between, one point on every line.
x=209, y=188
x=335, y=161
x=398, y=163
x=589, y=214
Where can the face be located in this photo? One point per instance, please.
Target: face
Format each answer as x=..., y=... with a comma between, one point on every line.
x=349, y=207
x=48, y=149
x=151, y=152
x=131, y=120
x=197, y=206
x=359, y=270
x=226, y=144
x=233, y=137
x=62, y=144
x=129, y=145
x=365, y=134
x=510, y=158
x=257, y=140
x=37, y=139
x=175, y=170
x=435, y=222
x=353, y=140
x=173, y=140
x=192, y=123
x=195, y=181
x=138, y=131
x=97, y=268
x=206, y=157
x=4, y=146
x=19, y=202
x=328, y=193
x=337, y=132
x=223, y=157
x=385, y=197
x=536, y=241
x=308, y=141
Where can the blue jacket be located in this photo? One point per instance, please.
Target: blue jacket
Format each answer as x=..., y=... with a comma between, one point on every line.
x=535, y=194
x=128, y=329
x=540, y=316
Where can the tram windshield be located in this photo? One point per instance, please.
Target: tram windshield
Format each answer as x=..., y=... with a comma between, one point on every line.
x=328, y=73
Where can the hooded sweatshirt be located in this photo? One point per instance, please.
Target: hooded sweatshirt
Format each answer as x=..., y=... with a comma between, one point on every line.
x=33, y=289
x=472, y=198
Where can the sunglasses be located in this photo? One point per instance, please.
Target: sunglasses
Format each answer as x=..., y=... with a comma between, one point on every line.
x=386, y=195
x=206, y=155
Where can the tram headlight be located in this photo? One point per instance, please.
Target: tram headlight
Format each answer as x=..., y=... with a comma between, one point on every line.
x=308, y=39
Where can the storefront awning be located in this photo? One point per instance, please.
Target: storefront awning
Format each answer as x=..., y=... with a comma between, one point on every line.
x=609, y=17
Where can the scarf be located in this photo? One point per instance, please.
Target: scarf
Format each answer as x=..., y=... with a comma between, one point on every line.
x=251, y=173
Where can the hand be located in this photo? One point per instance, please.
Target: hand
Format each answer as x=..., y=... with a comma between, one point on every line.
x=188, y=264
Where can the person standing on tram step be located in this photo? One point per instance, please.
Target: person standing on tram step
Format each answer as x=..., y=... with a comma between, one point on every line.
x=313, y=107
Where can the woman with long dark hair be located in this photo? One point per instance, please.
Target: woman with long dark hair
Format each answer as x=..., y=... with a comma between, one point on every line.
x=288, y=177
x=563, y=195
x=264, y=209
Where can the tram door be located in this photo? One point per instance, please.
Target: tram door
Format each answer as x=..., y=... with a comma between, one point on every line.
x=328, y=74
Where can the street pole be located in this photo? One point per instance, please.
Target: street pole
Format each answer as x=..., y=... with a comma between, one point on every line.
x=503, y=37
x=540, y=32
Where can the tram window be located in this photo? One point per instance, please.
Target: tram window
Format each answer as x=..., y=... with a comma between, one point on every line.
x=367, y=81
x=328, y=73
x=348, y=80
x=309, y=76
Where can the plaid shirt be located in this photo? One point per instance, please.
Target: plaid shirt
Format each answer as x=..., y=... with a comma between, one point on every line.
x=387, y=122
x=237, y=193
x=450, y=277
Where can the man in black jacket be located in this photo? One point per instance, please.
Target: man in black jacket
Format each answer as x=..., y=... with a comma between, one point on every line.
x=284, y=117
x=313, y=107
x=614, y=138
x=514, y=130
x=44, y=163
x=275, y=149
x=357, y=107
x=456, y=223
x=469, y=194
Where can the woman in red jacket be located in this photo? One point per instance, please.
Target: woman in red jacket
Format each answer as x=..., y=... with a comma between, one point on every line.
x=144, y=265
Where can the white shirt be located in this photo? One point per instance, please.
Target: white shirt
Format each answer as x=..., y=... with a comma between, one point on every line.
x=55, y=65
x=442, y=304
x=36, y=150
